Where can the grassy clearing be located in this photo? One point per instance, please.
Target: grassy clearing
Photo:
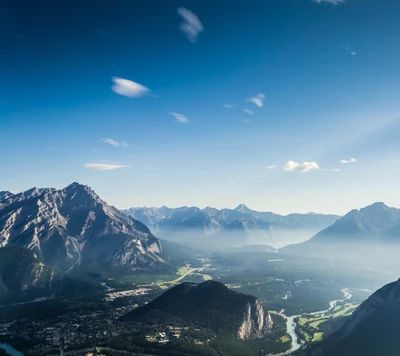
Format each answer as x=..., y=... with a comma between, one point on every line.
x=344, y=310
x=285, y=338
x=315, y=324
x=302, y=321
x=318, y=337
x=309, y=325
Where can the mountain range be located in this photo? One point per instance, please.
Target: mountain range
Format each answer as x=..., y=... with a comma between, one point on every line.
x=72, y=227
x=371, y=330
x=230, y=227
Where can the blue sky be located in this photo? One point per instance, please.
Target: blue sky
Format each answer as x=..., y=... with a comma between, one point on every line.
x=200, y=102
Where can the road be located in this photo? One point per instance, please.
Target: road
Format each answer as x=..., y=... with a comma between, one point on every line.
x=192, y=270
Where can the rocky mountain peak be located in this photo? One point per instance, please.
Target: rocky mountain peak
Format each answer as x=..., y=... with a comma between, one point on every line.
x=73, y=225
x=5, y=194
x=81, y=195
x=375, y=208
x=243, y=209
x=77, y=187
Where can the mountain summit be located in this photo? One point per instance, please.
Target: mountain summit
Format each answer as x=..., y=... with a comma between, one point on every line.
x=367, y=224
x=73, y=226
x=243, y=209
x=360, y=234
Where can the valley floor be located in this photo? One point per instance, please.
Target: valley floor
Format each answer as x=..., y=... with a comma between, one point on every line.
x=299, y=291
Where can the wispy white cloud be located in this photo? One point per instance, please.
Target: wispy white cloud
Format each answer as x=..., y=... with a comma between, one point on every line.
x=257, y=100
x=336, y=170
x=112, y=142
x=273, y=166
x=228, y=106
x=248, y=111
x=346, y=161
x=180, y=117
x=333, y=2
x=191, y=25
x=247, y=121
x=352, y=52
x=104, y=166
x=129, y=88
x=304, y=167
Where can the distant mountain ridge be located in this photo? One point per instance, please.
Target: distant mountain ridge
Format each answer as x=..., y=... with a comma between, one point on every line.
x=73, y=226
x=239, y=226
x=376, y=223
x=368, y=235
x=372, y=222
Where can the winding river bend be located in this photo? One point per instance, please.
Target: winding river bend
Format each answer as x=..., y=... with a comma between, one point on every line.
x=291, y=324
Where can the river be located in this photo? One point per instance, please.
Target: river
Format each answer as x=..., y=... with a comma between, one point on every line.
x=291, y=325
x=10, y=350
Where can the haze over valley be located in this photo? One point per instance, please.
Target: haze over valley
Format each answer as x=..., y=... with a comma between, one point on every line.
x=230, y=227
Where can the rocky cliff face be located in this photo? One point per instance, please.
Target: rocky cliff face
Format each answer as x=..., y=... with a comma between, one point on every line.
x=256, y=321
x=72, y=226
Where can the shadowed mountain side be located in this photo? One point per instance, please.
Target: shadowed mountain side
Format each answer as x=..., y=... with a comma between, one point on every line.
x=23, y=277
x=372, y=329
